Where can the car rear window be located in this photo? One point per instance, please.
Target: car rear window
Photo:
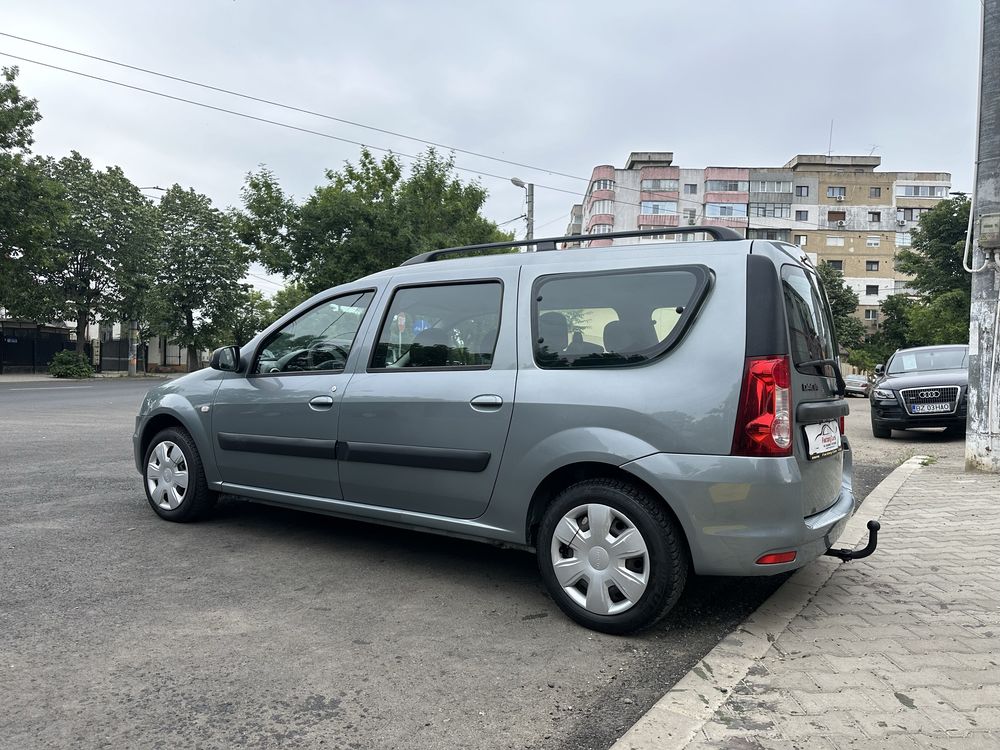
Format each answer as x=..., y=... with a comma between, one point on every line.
x=809, y=325
x=613, y=319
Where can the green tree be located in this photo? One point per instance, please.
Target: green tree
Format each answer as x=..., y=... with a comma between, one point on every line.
x=252, y=314
x=844, y=305
x=935, y=256
x=368, y=217
x=198, y=287
x=109, y=232
x=290, y=296
x=30, y=206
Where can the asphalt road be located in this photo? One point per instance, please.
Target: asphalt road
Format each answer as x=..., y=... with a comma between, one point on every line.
x=263, y=627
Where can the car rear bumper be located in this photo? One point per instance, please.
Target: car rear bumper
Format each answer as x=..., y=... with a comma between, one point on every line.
x=734, y=509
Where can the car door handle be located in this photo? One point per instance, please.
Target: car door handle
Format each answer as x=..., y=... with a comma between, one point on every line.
x=486, y=402
x=321, y=403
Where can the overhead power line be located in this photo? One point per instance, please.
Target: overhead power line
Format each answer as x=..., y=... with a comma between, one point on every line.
x=249, y=97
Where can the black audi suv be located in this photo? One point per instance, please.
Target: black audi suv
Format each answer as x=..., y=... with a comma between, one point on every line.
x=922, y=387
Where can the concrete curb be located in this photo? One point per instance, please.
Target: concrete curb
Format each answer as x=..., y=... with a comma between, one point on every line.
x=676, y=718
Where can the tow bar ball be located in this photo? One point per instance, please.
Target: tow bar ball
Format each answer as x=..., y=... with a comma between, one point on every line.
x=850, y=554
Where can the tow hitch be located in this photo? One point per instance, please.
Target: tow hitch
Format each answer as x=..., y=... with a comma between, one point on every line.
x=856, y=554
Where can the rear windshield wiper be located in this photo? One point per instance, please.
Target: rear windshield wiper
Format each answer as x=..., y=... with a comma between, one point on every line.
x=841, y=385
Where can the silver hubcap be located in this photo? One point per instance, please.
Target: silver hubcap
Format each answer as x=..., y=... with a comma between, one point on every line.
x=600, y=559
x=167, y=475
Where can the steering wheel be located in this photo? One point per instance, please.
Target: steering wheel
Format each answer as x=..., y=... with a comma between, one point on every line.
x=326, y=356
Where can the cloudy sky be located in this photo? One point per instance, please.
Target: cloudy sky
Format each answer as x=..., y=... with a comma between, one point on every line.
x=560, y=86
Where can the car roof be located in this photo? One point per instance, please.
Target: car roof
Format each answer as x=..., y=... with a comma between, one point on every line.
x=932, y=346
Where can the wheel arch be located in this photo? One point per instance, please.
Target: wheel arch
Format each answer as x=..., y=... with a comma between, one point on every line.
x=570, y=474
x=156, y=424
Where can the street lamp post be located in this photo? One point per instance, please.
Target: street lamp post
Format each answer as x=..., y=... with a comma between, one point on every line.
x=530, y=212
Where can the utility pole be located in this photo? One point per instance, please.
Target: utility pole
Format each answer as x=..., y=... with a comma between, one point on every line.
x=982, y=448
x=530, y=201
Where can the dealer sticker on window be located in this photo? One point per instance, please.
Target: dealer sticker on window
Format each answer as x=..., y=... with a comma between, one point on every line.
x=822, y=439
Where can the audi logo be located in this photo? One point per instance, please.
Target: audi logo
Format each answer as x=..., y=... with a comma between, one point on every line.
x=929, y=394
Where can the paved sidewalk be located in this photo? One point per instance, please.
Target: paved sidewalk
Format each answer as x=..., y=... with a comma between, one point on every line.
x=900, y=650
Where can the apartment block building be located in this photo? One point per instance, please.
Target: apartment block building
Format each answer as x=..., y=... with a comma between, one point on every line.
x=839, y=209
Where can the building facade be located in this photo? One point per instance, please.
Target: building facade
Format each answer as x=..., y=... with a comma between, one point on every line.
x=839, y=209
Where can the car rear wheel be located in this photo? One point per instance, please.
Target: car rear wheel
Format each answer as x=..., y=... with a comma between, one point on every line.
x=174, y=478
x=611, y=556
x=880, y=431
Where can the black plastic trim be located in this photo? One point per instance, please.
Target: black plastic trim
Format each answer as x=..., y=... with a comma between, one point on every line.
x=278, y=446
x=766, y=326
x=448, y=459
x=810, y=412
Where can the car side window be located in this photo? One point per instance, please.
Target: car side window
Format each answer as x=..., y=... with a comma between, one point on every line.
x=613, y=319
x=318, y=340
x=452, y=326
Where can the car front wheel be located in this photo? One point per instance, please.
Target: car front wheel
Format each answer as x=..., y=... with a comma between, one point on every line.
x=174, y=478
x=611, y=556
x=881, y=431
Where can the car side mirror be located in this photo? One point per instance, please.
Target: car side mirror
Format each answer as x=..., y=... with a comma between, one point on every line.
x=226, y=359
x=879, y=370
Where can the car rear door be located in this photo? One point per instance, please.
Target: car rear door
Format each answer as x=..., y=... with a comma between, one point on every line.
x=818, y=407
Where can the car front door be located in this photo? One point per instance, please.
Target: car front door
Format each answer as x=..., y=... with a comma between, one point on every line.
x=275, y=428
x=423, y=424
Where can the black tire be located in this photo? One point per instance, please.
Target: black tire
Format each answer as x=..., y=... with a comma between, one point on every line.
x=197, y=499
x=666, y=553
x=880, y=431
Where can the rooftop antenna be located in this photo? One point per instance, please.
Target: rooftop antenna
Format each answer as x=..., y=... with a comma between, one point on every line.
x=829, y=150
x=874, y=147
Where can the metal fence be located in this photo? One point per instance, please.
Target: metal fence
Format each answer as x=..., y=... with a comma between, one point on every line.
x=114, y=356
x=29, y=350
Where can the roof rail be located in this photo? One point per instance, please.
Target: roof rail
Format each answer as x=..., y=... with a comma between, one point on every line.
x=549, y=243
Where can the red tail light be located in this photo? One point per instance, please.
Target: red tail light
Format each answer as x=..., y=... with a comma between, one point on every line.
x=764, y=421
x=776, y=558
x=841, y=420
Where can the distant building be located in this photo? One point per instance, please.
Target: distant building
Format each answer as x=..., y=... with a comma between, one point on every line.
x=837, y=208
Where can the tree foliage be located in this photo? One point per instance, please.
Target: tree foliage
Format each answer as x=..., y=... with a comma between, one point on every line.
x=935, y=256
x=368, y=217
x=198, y=287
x=30, y=205
x=109, y=231
x=843, y=304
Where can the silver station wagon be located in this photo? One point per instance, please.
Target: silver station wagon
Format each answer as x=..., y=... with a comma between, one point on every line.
x=634, y=414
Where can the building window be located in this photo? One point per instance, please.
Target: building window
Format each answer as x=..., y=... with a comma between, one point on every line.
x=834, y=241
x=801, y=191
x=690, y=188
x=872, y=242
x=834, y=191
x=659, y=185
x=871, y=289
x=833, y=216
x=836, y=265
x=772, y=186
x=599, y=229
x=871, y=265
x=874, y=192
x=773, y=210
x=690, y=215
x=903, y=239
x=654, y=237
x=602, y=207
x=725, y=209
x=602, y=185
x=875, y=216
x=910, y=214
x=921, y=191
x=658, y=207
x=727, y=186
x=801, y=216
x=778, y=235
x=871, y=314
x=801, y=240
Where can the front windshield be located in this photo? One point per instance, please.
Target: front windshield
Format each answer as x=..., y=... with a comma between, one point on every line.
x=924, y=360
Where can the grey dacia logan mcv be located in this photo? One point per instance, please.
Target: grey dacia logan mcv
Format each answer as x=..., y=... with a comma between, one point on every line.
x=634, y=413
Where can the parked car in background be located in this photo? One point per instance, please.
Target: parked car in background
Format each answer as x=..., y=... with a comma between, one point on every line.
x=857, y=385
x=922, y=387
x=632, y=414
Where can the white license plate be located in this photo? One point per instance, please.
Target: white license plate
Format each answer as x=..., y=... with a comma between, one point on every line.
x=822, y=439
x=929, y=408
